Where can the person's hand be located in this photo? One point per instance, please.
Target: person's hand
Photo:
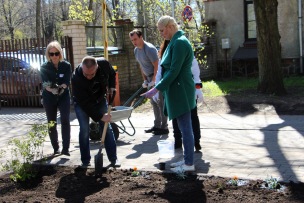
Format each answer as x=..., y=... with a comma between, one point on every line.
x=106, y=118
x=150, y=93
x=151, y=84
x=63, y=86
x=60, y=90
x=54, y=90
x=199, y=96
x=112, y=89
x=145, y=84
x=156, y=97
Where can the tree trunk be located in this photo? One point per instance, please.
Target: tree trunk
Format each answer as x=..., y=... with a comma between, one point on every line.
x=38, y=18
x=269, y=48
x=140, y=14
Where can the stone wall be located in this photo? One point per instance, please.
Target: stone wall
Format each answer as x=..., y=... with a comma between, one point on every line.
x=76, y=30
x=130, y=78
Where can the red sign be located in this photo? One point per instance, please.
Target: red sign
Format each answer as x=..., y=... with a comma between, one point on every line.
x=187, y=13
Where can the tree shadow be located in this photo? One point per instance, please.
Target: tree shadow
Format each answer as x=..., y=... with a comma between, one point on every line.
x=288, y=108
x=272, y=143
x=289, y=113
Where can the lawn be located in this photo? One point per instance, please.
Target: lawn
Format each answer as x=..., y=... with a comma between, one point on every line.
x=215, y=88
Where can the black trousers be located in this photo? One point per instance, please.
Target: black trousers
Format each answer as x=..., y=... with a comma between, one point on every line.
x=195, y=126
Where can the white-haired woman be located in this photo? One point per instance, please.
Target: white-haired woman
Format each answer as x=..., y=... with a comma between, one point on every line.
x=177, y=86
x=55, y=76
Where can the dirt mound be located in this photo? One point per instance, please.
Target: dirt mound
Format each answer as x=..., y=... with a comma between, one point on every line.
x=65, y=184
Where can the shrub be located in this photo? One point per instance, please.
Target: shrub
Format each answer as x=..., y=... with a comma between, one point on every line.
x=24, y=151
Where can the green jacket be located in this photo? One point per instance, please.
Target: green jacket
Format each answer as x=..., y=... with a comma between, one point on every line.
x=177, y=84
x=49, y=74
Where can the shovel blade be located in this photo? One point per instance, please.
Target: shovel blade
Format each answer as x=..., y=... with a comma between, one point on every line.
x=98, y=159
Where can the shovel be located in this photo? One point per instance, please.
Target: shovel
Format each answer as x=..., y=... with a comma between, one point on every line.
x=99, y=156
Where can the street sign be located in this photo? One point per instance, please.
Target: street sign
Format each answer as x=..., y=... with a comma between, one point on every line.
x=187, y=13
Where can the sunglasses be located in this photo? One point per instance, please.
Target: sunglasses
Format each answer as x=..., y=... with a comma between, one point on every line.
x=52, y=54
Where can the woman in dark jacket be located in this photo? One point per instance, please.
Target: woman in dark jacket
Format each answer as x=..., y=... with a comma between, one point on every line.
x=55, y=75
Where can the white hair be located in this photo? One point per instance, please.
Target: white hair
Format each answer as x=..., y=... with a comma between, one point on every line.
x=167, y=20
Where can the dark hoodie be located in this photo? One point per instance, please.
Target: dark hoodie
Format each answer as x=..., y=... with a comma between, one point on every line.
x=90, y=93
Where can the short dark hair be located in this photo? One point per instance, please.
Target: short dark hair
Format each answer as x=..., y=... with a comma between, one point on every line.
x=136, y=31
x=89, y=61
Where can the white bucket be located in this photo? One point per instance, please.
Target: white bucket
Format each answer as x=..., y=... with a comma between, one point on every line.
x=165, y=149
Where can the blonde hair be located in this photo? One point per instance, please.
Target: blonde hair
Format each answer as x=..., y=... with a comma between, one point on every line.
x=167, y=20
x=54, y=44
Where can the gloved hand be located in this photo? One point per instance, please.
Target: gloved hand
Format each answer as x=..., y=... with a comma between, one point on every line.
x=151, y=84
x=111, y=90
x=156, y=97
x=60, y=90
x=54, y=91
x=150, y=93
x=199, y=96
x=145, y=84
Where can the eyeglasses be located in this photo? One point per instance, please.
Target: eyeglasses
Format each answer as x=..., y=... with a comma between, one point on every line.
x=54, y=53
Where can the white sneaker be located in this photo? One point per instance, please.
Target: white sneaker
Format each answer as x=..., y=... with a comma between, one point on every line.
x=183, y=168
x=179, y=163
x=116, y=163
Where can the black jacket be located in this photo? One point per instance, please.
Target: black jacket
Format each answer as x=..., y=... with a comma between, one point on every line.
x=62, y=75
x=90, y=93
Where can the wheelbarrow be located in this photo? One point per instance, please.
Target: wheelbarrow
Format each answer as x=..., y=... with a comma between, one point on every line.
x=119, y=113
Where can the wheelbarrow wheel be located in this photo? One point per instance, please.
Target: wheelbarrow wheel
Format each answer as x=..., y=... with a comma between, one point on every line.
x=115, y=130
x=95, y=134
x=94, y=131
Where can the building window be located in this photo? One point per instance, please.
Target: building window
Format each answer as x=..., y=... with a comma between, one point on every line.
x=250, y=23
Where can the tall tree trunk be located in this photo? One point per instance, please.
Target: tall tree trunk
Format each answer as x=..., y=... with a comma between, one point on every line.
x=7, y=12
x=201, y=10
x=38, y=18
x=269, y=48
x=140, y=14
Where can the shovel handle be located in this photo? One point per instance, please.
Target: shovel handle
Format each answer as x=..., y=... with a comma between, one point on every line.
x=106, y=123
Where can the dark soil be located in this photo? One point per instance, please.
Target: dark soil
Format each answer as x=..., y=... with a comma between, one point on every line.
x=65, y=184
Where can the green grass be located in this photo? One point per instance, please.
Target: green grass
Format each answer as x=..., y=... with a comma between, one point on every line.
x=214, y=88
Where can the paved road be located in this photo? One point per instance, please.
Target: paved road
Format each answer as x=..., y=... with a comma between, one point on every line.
x=247, y=146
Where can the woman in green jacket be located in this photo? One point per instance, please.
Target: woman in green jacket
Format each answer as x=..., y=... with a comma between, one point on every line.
x=177, y=86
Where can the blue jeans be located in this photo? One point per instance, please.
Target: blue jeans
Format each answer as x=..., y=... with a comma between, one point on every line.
x=185, y=126
x=84, y=139
x=195, y=126
x=63, y=105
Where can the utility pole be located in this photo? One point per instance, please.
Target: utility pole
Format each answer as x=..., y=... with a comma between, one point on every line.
x=104, y=28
